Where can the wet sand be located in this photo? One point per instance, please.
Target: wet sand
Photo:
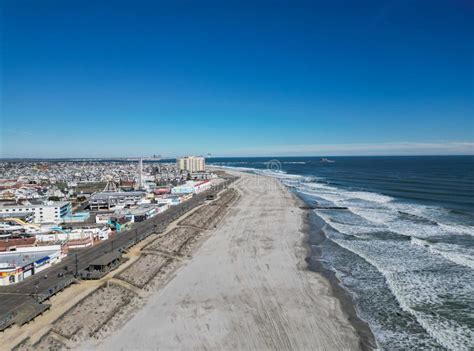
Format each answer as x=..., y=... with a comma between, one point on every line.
x=315, y=237
x=246, y=287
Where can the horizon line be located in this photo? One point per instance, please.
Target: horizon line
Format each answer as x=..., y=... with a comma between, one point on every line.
x=211, y=157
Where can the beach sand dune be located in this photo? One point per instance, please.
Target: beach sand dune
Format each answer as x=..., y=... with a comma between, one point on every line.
x=246, y=287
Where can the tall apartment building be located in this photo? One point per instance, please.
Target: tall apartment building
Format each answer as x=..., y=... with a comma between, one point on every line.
x=191, y=164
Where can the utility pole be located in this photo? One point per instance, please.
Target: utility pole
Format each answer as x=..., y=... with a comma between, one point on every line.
x=77, y=266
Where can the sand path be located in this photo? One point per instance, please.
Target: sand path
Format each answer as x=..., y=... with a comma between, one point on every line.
x=245, y=288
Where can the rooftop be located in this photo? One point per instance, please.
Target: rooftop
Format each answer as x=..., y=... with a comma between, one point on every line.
x=48, y=204
x=15, y=215
x=106, y=194
x=20, y=259
x=106, y=259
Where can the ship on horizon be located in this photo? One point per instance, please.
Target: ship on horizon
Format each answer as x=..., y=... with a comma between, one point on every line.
x=326, y=160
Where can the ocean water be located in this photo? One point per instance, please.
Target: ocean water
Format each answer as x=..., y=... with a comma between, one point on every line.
x=404, y=248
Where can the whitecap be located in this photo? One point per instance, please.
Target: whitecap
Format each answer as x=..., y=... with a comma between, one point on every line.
x=452, y=252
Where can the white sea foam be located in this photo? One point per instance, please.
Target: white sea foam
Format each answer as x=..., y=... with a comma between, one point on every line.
x=346, y=195
x=318, y=186
x=451, y=252
x=411, y=268
x=328, y=197
x=381, y=209
x=360, y=231
x=375, y=215
x=280, y=174
x=457, y=229
x=371, y=197
x=410, y=277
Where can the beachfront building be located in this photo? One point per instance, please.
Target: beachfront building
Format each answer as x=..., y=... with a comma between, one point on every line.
x=74, y=238
x=183, y=189
x=191, y=164
x=120, y=224
x=50, y=212
x=108, y=199
x=76, y=217
x=191, y=187
x=201, y=176
x=26, y=261
x=138, y=214
x=103, y=218
x=143, y=212
x=11, y=242
x=201, y=186
x=170, y=200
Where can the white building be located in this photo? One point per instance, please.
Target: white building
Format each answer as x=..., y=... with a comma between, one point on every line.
x=191, y=187
x=107, y=199
x=103, y=218
x=62, y=235
x=202, y=186
x=169, y=200
x=51, y=212
x=183, y=189
x=24, y=262
x=191, y=164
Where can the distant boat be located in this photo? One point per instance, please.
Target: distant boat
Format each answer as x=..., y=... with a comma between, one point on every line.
x=325, y=160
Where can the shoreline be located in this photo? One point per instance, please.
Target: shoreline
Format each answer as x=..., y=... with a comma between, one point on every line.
x=247, y=287
x=314, y=235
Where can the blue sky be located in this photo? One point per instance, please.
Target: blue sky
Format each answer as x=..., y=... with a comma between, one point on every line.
x=236, y=78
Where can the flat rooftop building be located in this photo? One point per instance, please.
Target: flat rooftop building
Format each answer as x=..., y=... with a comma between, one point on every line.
x=50, y=212
x=201, y=175
x=191, y=187
x=18, y=265
x=109, y=199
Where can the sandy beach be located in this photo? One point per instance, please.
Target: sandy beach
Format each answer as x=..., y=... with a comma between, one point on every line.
x=246, y=287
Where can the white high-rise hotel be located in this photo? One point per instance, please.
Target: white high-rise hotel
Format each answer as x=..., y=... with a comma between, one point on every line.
x=191, y=164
